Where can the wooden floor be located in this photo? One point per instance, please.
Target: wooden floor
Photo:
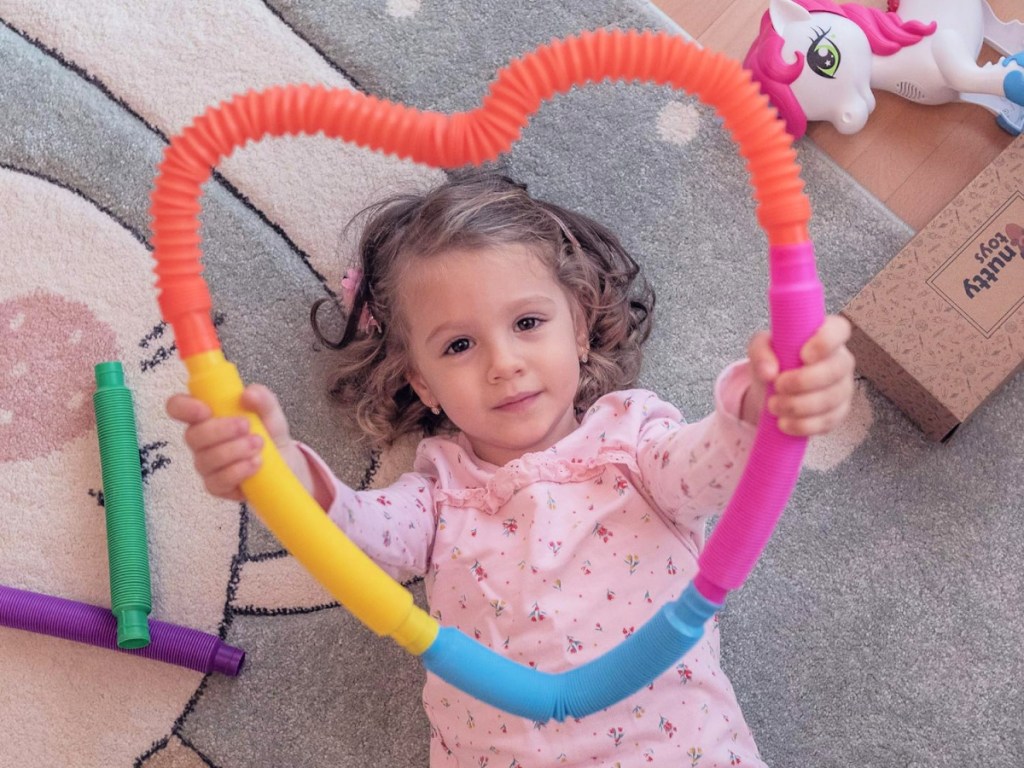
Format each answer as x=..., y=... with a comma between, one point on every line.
x=913, y=158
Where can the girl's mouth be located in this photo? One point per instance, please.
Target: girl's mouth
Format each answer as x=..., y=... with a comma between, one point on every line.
x=517, y=403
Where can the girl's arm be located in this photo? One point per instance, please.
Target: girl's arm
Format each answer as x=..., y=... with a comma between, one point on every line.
x=694, y=469
x=691, y=470
x=394, y=526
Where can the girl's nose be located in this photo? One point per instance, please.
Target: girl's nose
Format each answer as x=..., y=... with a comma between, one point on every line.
x=505, y=362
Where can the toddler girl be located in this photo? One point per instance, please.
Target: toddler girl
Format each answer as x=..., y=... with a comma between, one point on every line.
x=552, y=509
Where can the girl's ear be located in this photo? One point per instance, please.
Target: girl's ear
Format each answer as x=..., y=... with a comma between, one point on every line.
x=579, y=321
x=419, y=386
x=582, y=347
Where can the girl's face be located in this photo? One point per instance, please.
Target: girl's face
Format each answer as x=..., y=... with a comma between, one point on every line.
x=494, y=341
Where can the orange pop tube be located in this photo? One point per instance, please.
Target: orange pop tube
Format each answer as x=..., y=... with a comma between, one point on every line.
x=439, y=140
x=450, y=141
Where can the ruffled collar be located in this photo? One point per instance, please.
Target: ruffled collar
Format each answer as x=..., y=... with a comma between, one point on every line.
x=578, y=457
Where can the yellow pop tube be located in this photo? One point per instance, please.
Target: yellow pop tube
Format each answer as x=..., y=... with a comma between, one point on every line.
x=439, y=140
x=302, y=526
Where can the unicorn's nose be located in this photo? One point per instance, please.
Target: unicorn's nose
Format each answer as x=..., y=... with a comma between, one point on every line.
x=855, y=114
x=851, y=122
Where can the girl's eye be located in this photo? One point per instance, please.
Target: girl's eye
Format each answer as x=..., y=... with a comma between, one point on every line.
x=527, y=323
x=457, y=347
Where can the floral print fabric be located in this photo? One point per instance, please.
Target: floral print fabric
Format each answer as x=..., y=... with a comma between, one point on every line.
x=558, y=556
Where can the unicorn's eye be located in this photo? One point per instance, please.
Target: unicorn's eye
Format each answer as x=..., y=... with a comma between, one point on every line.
x=823, y=55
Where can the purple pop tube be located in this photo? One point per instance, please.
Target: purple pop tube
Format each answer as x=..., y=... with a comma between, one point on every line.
x=797, y=307
x=91, y=624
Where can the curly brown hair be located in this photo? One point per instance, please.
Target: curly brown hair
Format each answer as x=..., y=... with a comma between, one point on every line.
x=476, y=210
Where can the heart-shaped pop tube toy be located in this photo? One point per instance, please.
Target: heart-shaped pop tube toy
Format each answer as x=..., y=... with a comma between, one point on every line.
x=448, y=141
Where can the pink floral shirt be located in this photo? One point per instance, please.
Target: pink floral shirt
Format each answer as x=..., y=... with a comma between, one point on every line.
x=555, y=558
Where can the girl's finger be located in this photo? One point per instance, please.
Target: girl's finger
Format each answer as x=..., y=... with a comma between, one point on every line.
x=216, y=458
x=814, y=425
x=832, y=334
x=264, y=403
x=226, y=482
x=763, y=363
x=186, y=409
x=210, y=432
x=815, y=403
x=818, y=375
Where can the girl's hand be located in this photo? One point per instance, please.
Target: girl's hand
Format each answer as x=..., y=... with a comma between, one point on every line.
x=812, y=399
x=224, y=450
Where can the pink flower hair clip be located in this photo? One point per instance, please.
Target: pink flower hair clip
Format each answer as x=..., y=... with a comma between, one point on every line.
x=350, y=285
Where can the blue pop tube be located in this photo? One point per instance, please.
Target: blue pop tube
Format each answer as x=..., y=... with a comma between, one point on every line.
x=541, y=696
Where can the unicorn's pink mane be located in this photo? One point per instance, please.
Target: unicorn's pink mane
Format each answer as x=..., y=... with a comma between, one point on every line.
x=886, y=33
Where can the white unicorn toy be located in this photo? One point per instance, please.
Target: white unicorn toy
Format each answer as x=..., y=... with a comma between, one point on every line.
x=819, y=60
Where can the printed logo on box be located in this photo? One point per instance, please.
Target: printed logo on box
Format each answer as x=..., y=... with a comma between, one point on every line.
x=984, y=279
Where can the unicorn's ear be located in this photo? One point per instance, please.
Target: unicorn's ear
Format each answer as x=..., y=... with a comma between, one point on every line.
x=783, y=12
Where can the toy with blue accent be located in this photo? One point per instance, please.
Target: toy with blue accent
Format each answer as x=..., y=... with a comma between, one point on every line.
x=820, y=60
x=474, y=137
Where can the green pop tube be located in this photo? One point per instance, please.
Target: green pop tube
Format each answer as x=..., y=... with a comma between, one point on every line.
x=130, y=593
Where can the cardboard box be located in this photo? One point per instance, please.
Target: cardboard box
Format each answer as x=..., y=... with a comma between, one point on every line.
x=941, y=327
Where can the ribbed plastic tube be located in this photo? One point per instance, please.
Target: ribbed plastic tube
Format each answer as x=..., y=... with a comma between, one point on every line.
x=95, y=625
x=474, y=137
x=591, y=687
x=128, y=554
x=796, y=306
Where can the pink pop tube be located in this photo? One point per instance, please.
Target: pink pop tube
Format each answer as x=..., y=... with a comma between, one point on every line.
x=91, y=624
x=451, y=141
x=797, y=307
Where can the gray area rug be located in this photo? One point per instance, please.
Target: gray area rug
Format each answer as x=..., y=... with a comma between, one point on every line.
x=883, y=626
